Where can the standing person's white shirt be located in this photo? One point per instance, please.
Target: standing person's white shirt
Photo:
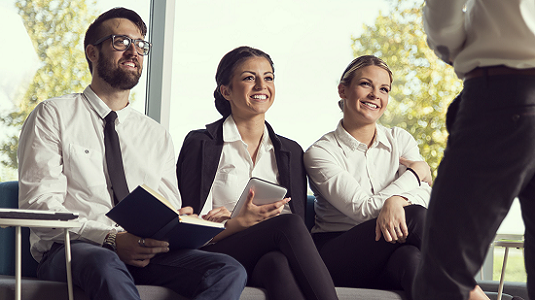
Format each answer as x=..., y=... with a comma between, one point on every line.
x=480, y=33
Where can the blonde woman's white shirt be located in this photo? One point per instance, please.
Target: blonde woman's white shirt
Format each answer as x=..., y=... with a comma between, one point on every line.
x=236, y=167
x=351, y=181
x=62, y=165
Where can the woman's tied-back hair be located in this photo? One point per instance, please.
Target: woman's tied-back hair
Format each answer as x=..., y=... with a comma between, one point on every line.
x=95, y=30
x=357, y=64
x=225, y=71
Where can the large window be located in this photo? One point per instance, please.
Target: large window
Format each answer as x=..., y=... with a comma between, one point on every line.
x=310, y=42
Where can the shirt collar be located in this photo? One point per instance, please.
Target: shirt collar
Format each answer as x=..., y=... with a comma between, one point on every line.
x=266, y=141
x=381, y=138
x=231, y=134
x=101, y=108
x=230, y=131
x=349, y=141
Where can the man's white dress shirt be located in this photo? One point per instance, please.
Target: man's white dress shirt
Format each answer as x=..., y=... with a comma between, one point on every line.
x=236, y=167
x=62, y=166
x=479, y=33
x=351, y=181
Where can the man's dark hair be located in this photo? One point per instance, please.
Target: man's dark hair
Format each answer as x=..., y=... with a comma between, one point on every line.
x=95, y=30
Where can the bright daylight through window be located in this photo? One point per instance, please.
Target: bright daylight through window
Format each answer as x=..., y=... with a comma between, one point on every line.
x=310, y=42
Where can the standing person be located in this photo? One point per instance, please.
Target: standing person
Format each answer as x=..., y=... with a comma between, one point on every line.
x=489, y=159
x=66, y=165
x=215, y=165
x=371, y=187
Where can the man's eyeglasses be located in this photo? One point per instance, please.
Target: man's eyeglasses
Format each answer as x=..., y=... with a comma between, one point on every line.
x=122, y=42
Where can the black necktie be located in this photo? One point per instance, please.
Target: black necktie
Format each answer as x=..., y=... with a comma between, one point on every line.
x=114, y=159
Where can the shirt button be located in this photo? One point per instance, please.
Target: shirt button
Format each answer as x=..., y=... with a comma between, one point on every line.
x=86, y=151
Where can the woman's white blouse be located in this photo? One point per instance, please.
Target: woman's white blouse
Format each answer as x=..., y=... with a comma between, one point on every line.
x=236, y=167
x=351, y=181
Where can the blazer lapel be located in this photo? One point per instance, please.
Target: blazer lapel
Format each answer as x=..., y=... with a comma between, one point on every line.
x=283, y=163
x=211, y=153
x=282, y=155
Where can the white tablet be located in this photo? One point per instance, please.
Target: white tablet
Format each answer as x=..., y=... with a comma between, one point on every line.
x=265, y=193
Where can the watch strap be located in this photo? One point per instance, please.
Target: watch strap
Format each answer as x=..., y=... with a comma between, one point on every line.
x=109, y=242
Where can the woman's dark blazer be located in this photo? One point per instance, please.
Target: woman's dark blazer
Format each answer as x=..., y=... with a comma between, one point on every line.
x=199, y=158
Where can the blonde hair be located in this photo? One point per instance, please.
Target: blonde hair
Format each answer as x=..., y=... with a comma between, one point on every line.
x=361, y=62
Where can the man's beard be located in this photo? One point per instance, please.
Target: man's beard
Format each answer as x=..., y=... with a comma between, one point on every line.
x=115, y=76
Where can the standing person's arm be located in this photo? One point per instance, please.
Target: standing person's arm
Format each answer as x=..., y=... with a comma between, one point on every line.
x=444, y=25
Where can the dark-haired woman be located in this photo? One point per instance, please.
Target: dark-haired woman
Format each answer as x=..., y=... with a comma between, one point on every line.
x=371, y=186
x=215, y=164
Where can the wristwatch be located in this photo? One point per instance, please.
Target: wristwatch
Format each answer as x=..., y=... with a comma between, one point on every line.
x=109, y=242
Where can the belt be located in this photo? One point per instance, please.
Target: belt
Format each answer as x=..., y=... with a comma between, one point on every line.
x=497, y=70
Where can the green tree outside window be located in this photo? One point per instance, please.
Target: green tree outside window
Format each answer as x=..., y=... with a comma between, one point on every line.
x=57, y=29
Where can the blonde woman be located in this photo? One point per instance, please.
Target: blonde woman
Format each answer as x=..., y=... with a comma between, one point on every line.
x=372, y=187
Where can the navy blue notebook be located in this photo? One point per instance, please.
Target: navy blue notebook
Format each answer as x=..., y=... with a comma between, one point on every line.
x=147, y=214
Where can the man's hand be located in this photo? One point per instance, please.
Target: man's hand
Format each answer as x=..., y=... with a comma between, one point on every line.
x=133, y=251
x=391, y=222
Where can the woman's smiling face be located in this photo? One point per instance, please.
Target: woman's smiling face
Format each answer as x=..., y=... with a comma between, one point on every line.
x=252, y=89
x=366, y=97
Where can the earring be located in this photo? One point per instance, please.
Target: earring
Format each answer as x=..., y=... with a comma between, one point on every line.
x=341, y=104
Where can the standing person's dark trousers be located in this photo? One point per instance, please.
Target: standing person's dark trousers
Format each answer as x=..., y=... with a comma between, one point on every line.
x=102, y=275
x=489, y=160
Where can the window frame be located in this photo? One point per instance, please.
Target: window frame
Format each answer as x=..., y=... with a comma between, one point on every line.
x=158, y=92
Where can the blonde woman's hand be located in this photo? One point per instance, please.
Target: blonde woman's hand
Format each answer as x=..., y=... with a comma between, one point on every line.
x=420, y=167
x=391, y=224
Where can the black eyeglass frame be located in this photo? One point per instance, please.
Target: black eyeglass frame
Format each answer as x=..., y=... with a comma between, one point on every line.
x=130, y=42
